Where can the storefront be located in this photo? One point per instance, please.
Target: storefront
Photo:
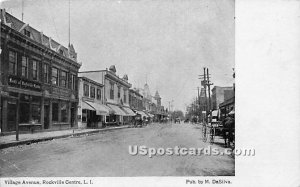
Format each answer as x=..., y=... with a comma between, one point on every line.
x=116, y=116
x=93, y=114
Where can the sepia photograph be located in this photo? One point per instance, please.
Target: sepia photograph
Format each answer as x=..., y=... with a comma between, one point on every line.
x=117, y=88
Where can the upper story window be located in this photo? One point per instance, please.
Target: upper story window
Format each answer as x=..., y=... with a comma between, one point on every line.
x=125, y=101
x=119, y=91
x=46, y=73
x=35, y=70
x=12, y=67
x=27, y=32
x=111, y=91
x=98, y=93
x=25, y=66
x=92, y=92
x=54, y=79
x=73, y=82
x=63, y=79
x=86, y=90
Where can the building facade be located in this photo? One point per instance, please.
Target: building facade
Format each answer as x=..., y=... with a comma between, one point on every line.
x=219, y=95
x=91, y=108
x=116, y=94
x=38, y=82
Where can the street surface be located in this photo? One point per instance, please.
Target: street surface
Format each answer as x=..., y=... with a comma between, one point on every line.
x=107, y=154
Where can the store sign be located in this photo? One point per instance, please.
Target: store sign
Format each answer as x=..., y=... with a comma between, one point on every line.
x=26, y=84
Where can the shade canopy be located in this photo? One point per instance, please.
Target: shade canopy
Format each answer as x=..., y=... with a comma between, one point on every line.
x=117, y=110
x=129, y=111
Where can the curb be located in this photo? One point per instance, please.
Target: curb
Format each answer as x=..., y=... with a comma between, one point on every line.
x=28, y=142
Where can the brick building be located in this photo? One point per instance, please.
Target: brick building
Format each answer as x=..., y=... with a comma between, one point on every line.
x=38, y=82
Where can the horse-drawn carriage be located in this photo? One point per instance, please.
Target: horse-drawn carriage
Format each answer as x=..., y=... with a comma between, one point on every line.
x=224, y=128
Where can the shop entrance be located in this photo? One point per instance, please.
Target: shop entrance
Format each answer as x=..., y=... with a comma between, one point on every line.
x=46, y=116
x=11, y=116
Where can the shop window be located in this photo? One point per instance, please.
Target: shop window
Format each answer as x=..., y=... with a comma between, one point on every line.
x=54, y=78
x=86, y=90
x=24, y=112
x=98, y=93
x=64, y=112
x=36, y=113
x=92, y=92
x=12, y=67
x=24, y=66
x=46, y=73
x=35, y=70
x=84, y=115
x=63, y=79
x=55, y=111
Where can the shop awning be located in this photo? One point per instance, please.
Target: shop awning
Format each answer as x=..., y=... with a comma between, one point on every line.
x=86, y=106
x=129, y=111
x=100, y=109
x=142, y=113
x=117, y=110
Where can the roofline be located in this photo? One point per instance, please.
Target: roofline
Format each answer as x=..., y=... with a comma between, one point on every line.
x=92, y=81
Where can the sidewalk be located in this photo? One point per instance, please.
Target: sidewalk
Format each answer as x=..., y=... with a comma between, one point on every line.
x=10, y=140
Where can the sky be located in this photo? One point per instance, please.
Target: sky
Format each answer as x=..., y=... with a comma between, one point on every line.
x=164, y=43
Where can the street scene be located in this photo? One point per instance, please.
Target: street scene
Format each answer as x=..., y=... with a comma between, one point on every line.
x=113, y=89
x=106, y=154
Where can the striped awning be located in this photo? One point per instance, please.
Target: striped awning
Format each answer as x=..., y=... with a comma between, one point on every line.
x=99, y=108
x=128, y=111
x=117, y=110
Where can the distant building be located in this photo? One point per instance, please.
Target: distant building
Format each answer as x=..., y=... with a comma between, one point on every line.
x=116, y=94
x=219, y=95
x=38, y=79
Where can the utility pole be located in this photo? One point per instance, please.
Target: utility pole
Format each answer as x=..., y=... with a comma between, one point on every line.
x=209, y=99
x=199, y=111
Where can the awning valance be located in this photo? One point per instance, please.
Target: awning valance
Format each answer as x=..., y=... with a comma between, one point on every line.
x=117, y=110
x=86, y=106
x=129, y=111
x=100, y=109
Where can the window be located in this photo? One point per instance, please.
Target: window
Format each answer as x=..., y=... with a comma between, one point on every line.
x=111, y=91
x=54, y=78
x=64, y=112
x=55, y=112
x=119, y=91
x=46, y=73
x=63, y=79
x=98, y=93
x=24, y=66
x=92, y=92
x=27, y=32
x=125, y=96
x=35, y=70
x=86, y=90
x=12, y=67
x=73, y=82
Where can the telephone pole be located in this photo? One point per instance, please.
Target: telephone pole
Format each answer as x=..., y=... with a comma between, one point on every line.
x=209, y=99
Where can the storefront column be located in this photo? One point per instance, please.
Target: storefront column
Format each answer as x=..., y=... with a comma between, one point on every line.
x=42, y=112
x=69, y=113
x=4, y=115
x=76, y=115
x=50, y=114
